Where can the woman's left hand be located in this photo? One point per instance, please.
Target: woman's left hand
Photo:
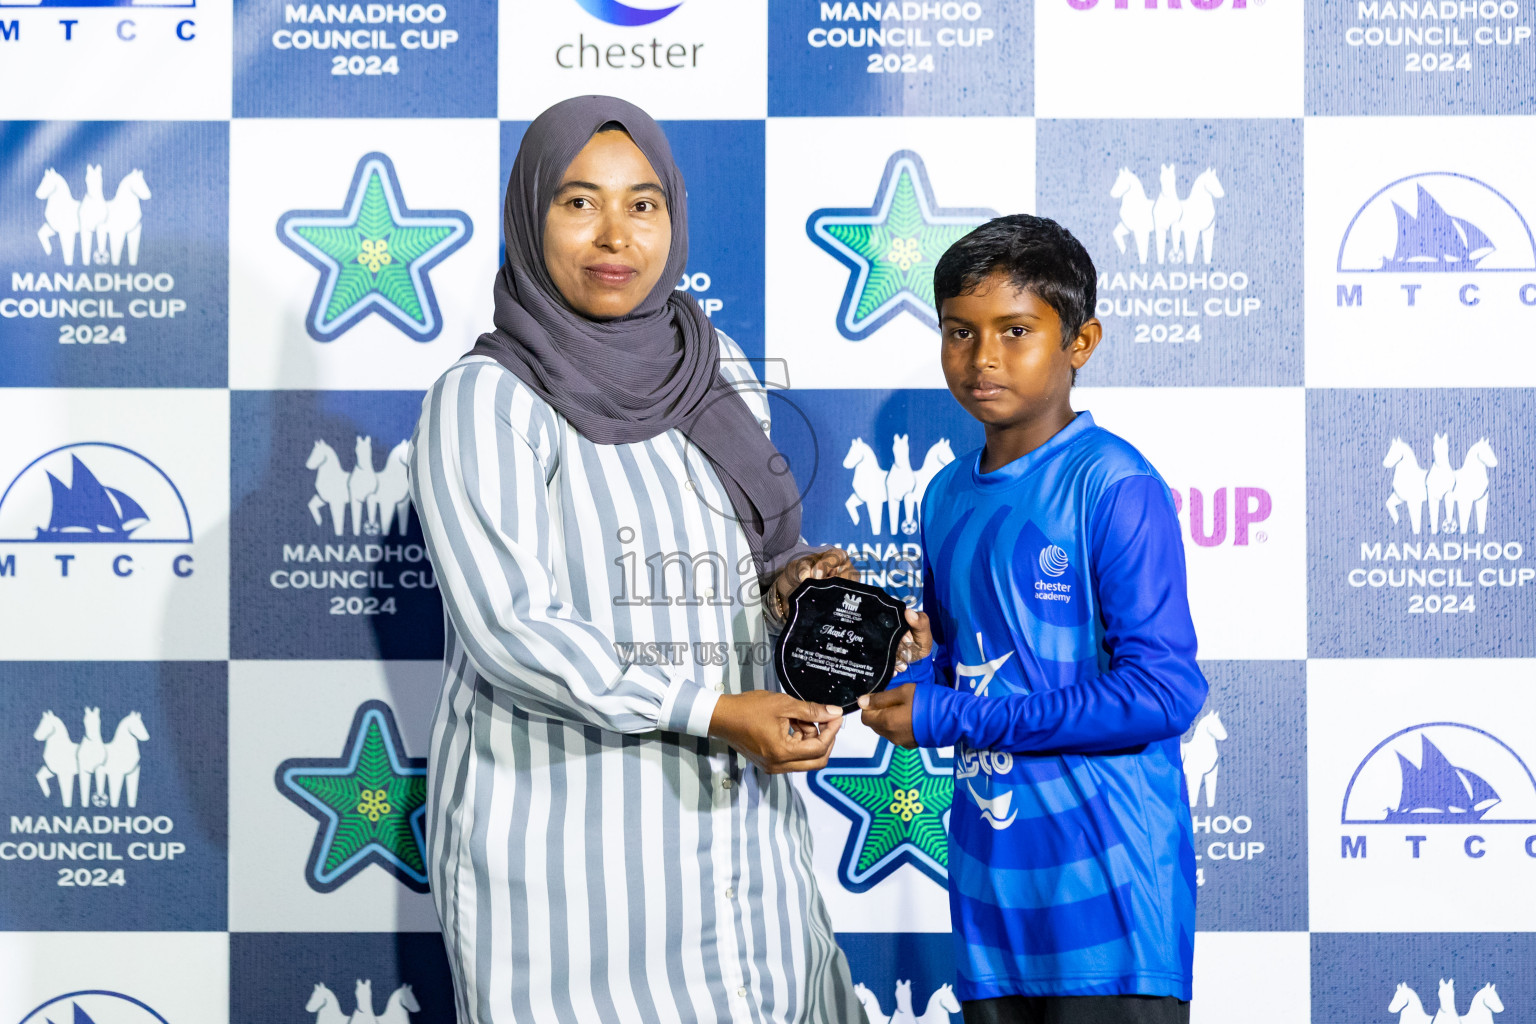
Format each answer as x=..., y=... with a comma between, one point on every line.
x=823, y=564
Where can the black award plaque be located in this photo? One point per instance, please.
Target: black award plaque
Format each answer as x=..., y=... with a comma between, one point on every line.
x=840, y=641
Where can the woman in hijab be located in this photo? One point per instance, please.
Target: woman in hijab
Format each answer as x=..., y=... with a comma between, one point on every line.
x=610, y=834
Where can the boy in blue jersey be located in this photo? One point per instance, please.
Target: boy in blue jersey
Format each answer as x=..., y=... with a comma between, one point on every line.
x=1062, y=665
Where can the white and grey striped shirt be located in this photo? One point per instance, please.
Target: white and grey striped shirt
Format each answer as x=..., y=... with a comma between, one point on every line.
x=594, y=857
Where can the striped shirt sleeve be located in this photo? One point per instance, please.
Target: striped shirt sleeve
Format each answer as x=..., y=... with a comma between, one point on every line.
x=480, y=463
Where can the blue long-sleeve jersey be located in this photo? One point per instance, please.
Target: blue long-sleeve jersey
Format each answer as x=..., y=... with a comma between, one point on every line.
x=1066, y=662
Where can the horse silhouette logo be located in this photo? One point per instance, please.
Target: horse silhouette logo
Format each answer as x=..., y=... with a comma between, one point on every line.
x=112, y=765
x=1410, y=1009
x=327, y=1008
x=941, y=1005
x=378, y=500
x=1200, y=754
x=93, y=492
x=113, y=224
x=1462, y=493
x=899, y=488
x=1437, y=222
x=1440, y=773
x=1180, y=226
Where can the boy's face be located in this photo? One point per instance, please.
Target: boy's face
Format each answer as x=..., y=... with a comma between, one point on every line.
x=1002, y=353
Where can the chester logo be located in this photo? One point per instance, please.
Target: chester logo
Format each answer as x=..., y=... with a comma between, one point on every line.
x=891, y=247
x=374, y=255
x=615, y=13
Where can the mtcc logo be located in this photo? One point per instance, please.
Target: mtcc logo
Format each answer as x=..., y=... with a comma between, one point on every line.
x=327, y=1008
x=1410, y=1008
x=100, y=3
x=94, y=493
x=94, y=1007
x=126, y=29
x=1438, y=226
x=890, y=247
x=1441, y=775
x=941, y=1005
x=374, y=255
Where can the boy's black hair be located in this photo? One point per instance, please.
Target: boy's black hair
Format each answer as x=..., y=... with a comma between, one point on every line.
x=1037, y=254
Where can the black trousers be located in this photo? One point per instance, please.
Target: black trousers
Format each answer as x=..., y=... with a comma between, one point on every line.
x=1076, y=1010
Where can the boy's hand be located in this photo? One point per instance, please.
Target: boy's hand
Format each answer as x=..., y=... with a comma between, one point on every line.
x=890, y=714
x=918, y=642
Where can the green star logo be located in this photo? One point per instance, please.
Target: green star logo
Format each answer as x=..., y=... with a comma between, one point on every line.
x=899, y=802
x=891, y=247
x=370, y=802
x=374, y=254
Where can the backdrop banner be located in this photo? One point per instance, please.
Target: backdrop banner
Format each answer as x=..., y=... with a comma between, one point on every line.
x=240, y=238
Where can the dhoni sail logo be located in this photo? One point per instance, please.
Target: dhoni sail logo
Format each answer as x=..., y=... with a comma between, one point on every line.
x=93, y=492
x=1437, y=222
x=1440, y=773
x=1449, y=230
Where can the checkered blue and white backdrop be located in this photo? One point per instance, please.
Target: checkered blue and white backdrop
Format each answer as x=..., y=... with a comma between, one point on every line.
x=238, y=241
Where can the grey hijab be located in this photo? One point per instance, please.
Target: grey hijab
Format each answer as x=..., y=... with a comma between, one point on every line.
x=654, y=369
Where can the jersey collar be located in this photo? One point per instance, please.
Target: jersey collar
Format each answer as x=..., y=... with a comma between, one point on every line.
x=1018, y=469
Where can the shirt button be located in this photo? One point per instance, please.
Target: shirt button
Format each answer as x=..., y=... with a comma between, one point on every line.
x=719, y=687
x=709, y=593
x=730, y=894
x=725, y=783
x=688, y=484
x=742, y=992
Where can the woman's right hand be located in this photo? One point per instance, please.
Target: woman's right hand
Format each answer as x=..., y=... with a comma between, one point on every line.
x=822, y=564
x=776, y=732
